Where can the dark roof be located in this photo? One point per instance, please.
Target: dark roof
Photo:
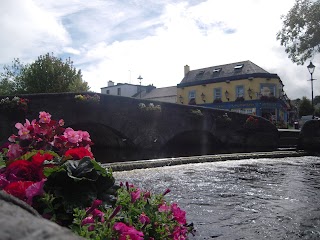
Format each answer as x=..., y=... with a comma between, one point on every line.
x=161, y=92
x=231, y=71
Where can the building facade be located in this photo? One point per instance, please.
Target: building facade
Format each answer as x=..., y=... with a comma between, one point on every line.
x=241, y=87
x=165, y=94
x=126, y=89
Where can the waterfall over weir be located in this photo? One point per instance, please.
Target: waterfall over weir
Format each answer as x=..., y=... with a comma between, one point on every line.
x=244, y=199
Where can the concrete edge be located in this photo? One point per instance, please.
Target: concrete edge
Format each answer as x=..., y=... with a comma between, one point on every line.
x=131, y=165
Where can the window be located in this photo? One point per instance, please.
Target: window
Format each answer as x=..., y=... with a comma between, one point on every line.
x=192, y=97
x=239, y=91
x=238, y=66
x=268, y=89
x=108, y=91
x=216, y=70
x=217, y=93
x=192, y=94
x=119, y=91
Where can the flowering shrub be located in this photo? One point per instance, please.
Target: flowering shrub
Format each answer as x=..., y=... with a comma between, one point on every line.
x=53, y=170
x=217, y=100
x=15, y=103
x=223, y=120
x=45, y=134
x=138, y=215
x=239, y=99
x=251, y=123
x=150, y=107
x=87, y=98
x=268, y=98
x=196, y=112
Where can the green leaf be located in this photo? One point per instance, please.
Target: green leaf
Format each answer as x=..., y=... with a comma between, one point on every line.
x=99, y=168
x=83, y=169
x=47, y=171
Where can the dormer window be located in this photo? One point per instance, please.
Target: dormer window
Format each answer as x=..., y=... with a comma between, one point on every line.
x=238, y=66
x=216, y=70
x=200, y=73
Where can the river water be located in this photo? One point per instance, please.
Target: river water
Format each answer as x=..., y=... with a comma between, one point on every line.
x=245, y=199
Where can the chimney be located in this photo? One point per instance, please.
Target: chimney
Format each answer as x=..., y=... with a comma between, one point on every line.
x=150, y=88
x=186, y=69
x=110, y=83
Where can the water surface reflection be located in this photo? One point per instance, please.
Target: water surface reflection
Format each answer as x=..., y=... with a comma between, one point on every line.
x=247, y=199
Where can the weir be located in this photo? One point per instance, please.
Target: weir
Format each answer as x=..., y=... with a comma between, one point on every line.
x=265, y=198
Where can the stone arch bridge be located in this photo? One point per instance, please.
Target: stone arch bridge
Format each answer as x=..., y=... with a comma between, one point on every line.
x=127, y=128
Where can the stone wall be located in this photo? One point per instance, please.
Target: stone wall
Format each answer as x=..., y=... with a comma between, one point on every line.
x=309, y=139
x=119, y=124
x=20, y=221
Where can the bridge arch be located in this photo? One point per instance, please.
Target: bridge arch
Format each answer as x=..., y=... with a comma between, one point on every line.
x=193, y=142
x=109, y=144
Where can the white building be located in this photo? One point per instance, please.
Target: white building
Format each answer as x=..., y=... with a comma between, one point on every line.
x=126, y=89
x=166, y=94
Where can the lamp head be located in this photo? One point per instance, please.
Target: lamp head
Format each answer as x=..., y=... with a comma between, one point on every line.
x=311, y=67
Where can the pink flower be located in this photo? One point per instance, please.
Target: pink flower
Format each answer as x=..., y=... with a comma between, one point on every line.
x=144, y=219
x=147, y=195
x=61, y=122
x=166, y=191
x=36, y=189
x=85, y=136
x=88, y=220
x=3, y=181
x=72, y=136
x=23, y=131
x=127, y=232
x=96, y=203
x=14, y=151
x=180, y=233
x=44, y=117
x=135, y=195
x=115, y=212
x=12, y=138
x=164, y=208
x=98, y=214
x=178, y=214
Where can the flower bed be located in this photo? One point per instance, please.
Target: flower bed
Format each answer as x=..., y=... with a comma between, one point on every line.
x=14, y=104
x=251, y=123
x=53, y=169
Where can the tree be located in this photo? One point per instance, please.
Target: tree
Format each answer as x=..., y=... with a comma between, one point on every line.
x=10, y=78
x=300, y=33
x=305, y=107
x=47, y=74
x=316, y=100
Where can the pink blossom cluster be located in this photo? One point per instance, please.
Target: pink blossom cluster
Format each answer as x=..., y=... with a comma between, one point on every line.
x=45, y=134
x=142, y=215
x=177, y=229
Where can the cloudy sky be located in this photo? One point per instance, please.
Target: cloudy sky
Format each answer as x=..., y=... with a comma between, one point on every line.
x=119, y=40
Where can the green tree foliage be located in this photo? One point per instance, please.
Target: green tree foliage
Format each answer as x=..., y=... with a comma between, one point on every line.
x=305, y=107
x=10, y=78
x=300, y=33
x=48, y=74
x=316, y=100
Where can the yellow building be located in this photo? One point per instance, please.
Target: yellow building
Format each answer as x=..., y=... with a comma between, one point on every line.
x=241, y=87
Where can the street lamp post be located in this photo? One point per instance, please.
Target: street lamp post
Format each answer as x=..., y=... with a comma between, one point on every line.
x=140, y=78
x=311, y=68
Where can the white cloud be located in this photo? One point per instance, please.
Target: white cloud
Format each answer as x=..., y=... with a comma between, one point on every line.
x=28, y=31
x=119, y=40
